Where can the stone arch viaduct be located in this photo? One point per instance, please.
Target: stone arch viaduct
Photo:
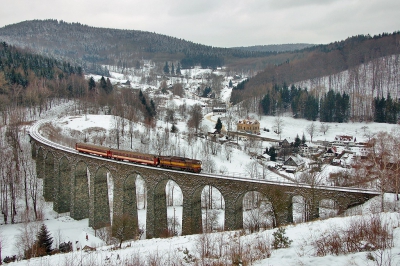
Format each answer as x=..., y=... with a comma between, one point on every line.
x=77, y=183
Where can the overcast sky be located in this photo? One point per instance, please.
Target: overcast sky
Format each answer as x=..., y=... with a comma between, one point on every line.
x=222, y=23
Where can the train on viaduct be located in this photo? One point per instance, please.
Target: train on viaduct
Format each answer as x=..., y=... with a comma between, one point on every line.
x=77, y=183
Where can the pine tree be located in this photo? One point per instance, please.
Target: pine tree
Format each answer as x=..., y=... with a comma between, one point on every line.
x=92, y=84
x=44, y=240
x=172, y=69
x=218, y=125
x=174, y=129
x=280, y=239
x=297, y=141
x=266, y=104
x=103, y=83
x=303, y=139
x=272, y=154
x=109, y=86
x=166, y=68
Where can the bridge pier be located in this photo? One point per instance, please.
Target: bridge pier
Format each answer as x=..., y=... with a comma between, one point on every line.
x=40, y=163
x=128, y=218
x=99, y=211
x=80, y=192
x=192, y=222
x=49, y=178
x=62, y=199
x=233, y=213
x=156, y=217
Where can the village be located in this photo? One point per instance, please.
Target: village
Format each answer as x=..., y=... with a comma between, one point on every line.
x=290, y=155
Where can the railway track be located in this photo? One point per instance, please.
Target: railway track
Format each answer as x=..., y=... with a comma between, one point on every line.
x=34, y=133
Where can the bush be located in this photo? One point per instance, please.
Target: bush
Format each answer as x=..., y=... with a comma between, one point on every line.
x=65, y=247
x=280, y=240
x=363, y=234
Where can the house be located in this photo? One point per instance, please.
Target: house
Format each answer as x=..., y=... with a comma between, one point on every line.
x=343, y=140
x=284, y=143
x=304, y=149
x=249, y=126
x=219, y=110
x=344, y=159
x=330, y=152
x=293, y=164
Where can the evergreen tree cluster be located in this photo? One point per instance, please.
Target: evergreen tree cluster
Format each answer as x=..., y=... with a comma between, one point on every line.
x=335, y=107
x=386, y=110
x=302, y=103
x=150, y=109
x=241, y=85
x=18, y=65
x=332, y=107
x=167, y=70
x=271, y=152
x=204, y=60
x=29, y=79
x=106, y=85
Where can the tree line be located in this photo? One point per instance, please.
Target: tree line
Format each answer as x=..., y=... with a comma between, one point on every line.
x=303, y=104
x=386, y=109
x=90, y=45
x=330, y=107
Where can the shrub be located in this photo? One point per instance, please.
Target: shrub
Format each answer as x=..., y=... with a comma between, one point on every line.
x=280, y=240
x=363, y=234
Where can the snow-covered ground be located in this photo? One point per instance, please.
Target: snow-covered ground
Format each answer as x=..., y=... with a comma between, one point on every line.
x=176, y=250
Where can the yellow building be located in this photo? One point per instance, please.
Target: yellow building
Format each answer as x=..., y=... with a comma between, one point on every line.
x=249, y=126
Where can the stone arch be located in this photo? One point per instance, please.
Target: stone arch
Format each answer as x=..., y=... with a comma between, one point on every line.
x=62, y=200
x=141, y=202
x=257, y=211
x=212, y=208
x=328, y=208
x=305, y=208
x=80, y=198
x=174, y=207
x=281, y=202
x=101, y=204
x=141, y=192
x=49, y=177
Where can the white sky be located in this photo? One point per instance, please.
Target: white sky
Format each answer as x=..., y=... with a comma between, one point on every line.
x=222, y=23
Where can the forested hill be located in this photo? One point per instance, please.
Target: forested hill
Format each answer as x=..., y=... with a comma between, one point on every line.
x=85, y=44
x=290, y=47
x=319, y=61
x=28, y=79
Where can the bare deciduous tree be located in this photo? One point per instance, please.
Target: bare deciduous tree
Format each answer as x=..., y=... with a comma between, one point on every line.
x=196, y=115
x=278, y=126
x=311, y=129
x=324, y=128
